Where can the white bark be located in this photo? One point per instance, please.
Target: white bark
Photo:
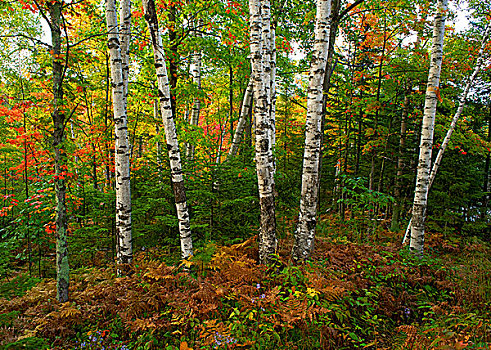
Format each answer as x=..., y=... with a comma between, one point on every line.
x=462, y=104
x=125, y=37
x=305, y=232
x=122, y=147
x=196, y=74
x=426, y=144
x=458, y=113
x=260, y=28
x=244, y=113
x=170, y=129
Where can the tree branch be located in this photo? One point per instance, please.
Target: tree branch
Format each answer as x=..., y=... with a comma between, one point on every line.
x=27, y=37
x=348, y=9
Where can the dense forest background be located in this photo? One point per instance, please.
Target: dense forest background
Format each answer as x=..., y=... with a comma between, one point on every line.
x=360, y=287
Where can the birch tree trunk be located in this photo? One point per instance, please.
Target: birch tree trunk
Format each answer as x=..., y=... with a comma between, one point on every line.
x=330, y=66
x=170, y=129
x=58, y=116
x=124, y=250
x=244, y=114
x=196, y=74
x=462, y=104
x=305, y=232
x=125, y=36
x=426, y=144
x=458, y=113
x=260, y=27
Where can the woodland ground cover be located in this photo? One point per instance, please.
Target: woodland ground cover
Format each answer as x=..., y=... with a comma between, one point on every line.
x=351, y=295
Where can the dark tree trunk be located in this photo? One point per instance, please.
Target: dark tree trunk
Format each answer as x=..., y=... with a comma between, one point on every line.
x=58, y=115
x=396, y=211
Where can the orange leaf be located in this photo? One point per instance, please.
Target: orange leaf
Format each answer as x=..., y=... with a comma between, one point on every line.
x=436, y=89
x=184, y=346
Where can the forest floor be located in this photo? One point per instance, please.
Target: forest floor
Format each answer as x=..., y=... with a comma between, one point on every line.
x=350, y=296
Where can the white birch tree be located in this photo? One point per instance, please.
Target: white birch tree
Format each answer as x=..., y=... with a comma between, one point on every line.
x=260, y=43
x=124, y=250
x=125, y=37
x=244, y=112
x=426, y=144
x=305, y=232
x=462, y=104
x=456, y=117
x=170, y=129
x=196, y=74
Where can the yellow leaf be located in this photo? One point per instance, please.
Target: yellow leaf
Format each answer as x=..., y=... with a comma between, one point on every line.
x=312, y=292
x=27, y=334
x=70, y=312
x=187, y=263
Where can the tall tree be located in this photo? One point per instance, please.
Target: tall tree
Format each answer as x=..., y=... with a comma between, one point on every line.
x=196, y=74
x=260, y=44
x=396, y=210
x=426, y=144
x=305, y=232
x=462, y=103
x=170, y=129
x=58, y=115
x=244, y=113
x=124, y=250
x=456, y=117
x=125, y=36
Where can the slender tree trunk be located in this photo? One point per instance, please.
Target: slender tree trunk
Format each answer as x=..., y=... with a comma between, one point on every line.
x=487, y=175
x=170, y=129
x=305, y=232
x=462, y=104
x=174, y=54
x=94, y=168
x=124, y=250
x=431, y=99
x=396, y=212
x=273, y=89
x=107, y=155
x=231, y=99
x=455, y=118
x=371, y=179
x=58, y=115
x=218, y=154
x=157, y=131
x=358, y=143
x=26, y=182
x=244, y=113
x=260, y=40
x=125, y=37
x=196, y=74
x=382, y=166
x=330, y=65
